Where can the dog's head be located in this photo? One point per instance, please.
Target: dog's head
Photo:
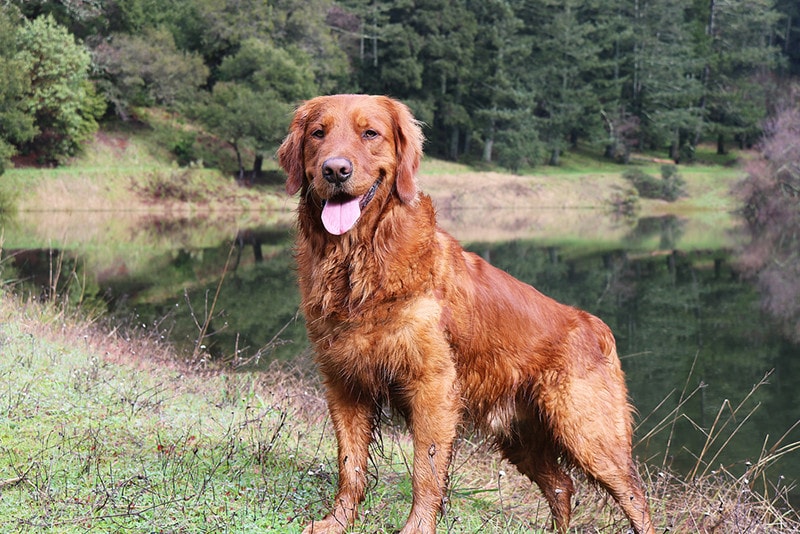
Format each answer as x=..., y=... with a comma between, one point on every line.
x=346, y=150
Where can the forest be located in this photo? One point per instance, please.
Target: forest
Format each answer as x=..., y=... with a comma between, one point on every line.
x=509, y=82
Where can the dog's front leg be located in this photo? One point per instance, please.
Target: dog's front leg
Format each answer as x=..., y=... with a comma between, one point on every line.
x=434, y=415
x=353, y=420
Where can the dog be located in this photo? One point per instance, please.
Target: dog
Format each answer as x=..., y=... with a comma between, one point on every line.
x=398, y=312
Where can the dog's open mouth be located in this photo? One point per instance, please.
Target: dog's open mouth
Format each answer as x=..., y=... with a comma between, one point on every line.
x=341, y=212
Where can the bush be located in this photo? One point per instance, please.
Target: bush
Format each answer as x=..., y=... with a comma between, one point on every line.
x=673, y=183
x=624, y=202
x=670, y=187
x=7, y=203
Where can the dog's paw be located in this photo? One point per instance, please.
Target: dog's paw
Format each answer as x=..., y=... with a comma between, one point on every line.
x=329, y=525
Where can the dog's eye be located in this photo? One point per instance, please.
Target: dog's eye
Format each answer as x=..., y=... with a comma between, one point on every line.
x=369, y=134
x=318, y=133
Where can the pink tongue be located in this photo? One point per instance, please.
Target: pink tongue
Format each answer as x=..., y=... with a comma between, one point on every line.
x=339, y=215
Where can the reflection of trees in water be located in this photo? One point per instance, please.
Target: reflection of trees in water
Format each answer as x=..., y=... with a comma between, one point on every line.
x=771, y=194
x=669, y=229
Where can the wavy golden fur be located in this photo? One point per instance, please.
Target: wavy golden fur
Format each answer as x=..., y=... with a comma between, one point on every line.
x=398, y=312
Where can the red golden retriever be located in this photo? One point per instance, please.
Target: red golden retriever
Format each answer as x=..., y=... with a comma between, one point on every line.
x=398, y=312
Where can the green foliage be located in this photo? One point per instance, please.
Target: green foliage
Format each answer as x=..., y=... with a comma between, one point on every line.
x=61, y=97
x=736, y=55
x=518, y=147
x=568, y=49
x=251, y=105
x=148, y=69
x=16, y=122
x=513, y=82
x=267, y=68
x=8, y=201
x=244, y=118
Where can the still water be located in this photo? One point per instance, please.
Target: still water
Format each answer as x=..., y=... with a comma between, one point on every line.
x=690, y=329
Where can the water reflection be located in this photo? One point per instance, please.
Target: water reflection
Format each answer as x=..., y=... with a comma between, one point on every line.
x=690, y=328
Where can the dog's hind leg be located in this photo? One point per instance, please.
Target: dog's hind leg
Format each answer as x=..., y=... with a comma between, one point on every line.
x=529, y=448
x=589, y=418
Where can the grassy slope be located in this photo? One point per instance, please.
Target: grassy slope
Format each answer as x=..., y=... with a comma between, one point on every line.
x=100, y=432
x=125, y=170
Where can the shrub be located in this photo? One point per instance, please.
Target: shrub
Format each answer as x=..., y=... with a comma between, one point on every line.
x=673, y=183
x=7, y=203
x=670, y=187
x=625, y=202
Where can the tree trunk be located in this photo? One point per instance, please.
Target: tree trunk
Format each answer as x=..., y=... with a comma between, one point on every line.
x=454, y=133
x=721, y=144
x=488, y=146
x=235, y=146
x=675, y=147
x=258, y=165
x=555, y=157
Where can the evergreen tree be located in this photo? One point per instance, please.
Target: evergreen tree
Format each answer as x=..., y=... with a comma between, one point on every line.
x=501, y=99
x=666, y=86
x=421, y=52
x=739, y=54
x=565, y=56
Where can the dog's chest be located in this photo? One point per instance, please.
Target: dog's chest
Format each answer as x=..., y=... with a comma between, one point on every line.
x=339, y=283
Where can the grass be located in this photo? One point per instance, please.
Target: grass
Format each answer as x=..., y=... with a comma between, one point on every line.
x=107, y=430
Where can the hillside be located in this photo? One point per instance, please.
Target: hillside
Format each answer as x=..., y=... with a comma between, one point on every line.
x=130, y=169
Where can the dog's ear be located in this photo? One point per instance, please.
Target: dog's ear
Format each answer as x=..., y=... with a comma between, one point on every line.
x=290, y=153
x=408, y=146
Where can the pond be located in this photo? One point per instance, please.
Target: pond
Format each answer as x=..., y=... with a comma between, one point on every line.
x=690, y=329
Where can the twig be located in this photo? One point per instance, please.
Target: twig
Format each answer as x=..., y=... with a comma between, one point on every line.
x=10, y=482
x=210, y=312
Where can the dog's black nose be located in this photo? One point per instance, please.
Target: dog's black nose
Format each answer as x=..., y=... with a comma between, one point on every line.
x=337, y=170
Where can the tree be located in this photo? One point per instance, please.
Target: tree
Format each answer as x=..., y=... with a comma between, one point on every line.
x=771, y=195
x=251, y=104
x=567, y=54
x=148, y=69
x=266, y=67
x=738, y=52
x=788, y=35
x=242, y=117
x=666, y=87
x=16, y=122
x=305, y=28
x=501, y=98
x=275, y=78
x=449, y=30
x=60, y=96
x=422, y=53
